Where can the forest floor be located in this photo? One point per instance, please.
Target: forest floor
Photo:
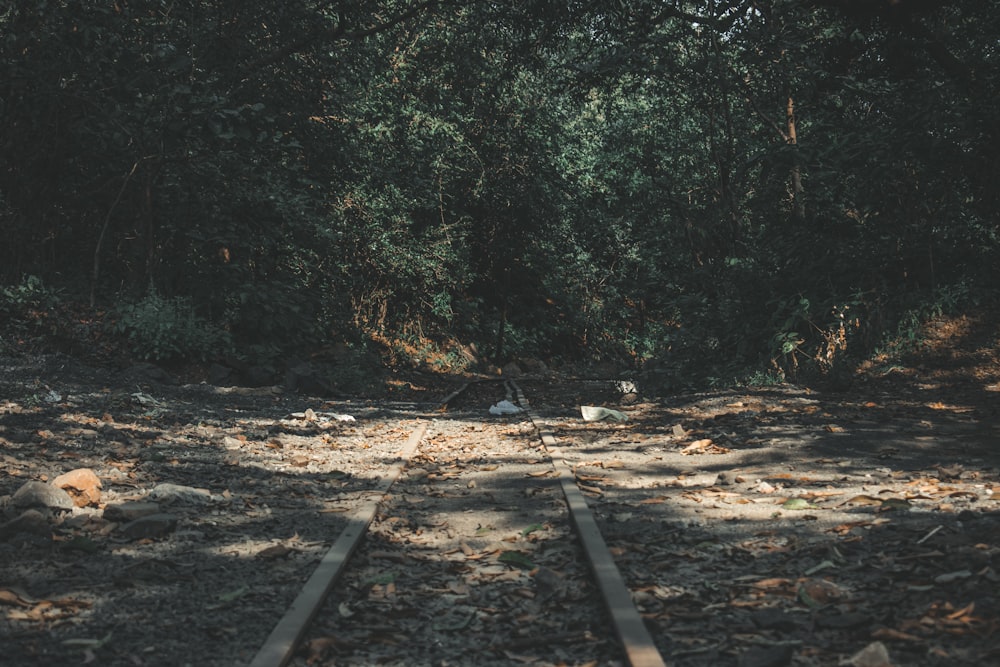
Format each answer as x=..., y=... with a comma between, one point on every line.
x=757, y=527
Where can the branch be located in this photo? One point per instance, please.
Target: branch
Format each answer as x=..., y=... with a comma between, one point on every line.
x=719, y=23
x=335, y=32
x=104, y=228
x=748, y=96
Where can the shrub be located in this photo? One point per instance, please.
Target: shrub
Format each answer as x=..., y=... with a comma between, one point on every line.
x=168, y=329
x=25, y=309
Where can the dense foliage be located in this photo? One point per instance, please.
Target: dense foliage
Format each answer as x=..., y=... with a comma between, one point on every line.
x=729, y=186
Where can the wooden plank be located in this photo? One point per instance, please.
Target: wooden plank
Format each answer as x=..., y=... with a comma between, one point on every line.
x=640, y=649
x=283, y=640
x=443, y=405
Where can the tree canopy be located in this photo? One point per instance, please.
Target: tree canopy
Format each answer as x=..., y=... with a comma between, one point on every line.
x=732, y=186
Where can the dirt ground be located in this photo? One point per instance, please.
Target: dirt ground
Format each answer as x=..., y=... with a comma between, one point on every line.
x=770, y=526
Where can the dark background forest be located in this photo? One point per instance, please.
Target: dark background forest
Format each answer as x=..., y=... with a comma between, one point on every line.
x=726, y=190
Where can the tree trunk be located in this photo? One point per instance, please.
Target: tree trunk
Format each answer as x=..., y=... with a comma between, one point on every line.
x=791, y=136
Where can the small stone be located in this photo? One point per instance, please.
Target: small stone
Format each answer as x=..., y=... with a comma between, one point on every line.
x=150, y=527
x=229, y=442
x=724, y=479
x=40, y=494
x=873, y=655
x=130, y=511
x=168, y=493
x=82, y=484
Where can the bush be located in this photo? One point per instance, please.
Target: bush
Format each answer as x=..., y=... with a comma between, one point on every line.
x=162, y=329
x=25, y=309
x=31, y=294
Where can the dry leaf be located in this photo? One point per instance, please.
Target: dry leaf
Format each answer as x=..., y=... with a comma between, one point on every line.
x=696, y=445
x=275, y=551
x=318, y=649
x=889, y=633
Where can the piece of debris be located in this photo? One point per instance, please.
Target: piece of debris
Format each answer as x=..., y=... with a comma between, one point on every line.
x=592, y=414
x=505, y=408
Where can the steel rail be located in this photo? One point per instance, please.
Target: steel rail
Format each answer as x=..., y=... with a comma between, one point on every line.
x=638, y=644
x=280, y=645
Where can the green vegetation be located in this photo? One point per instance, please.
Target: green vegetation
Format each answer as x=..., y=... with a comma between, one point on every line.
x=719, y=188
x=162, y=329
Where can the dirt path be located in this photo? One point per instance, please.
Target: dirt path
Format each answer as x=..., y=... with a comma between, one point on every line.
x=766, y=527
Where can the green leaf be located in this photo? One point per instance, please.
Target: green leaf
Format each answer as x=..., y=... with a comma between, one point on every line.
x=797, y=504
x=807, y=599
x=532, y=528
x=383, y=579
x=234, y=594
x=517, y=559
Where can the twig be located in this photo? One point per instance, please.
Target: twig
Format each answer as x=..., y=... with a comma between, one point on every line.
x=929, y=535
x=104, y=229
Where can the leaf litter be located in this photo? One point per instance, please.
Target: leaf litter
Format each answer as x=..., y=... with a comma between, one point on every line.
x=893, y=560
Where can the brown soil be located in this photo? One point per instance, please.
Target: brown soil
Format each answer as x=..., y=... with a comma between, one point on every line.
x=756, y=527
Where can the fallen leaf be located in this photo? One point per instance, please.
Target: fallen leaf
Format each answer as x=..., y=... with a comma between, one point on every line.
x=889, y=633
x=274, y=552
x=819, y=592
x=952, y=576
x=821, y=566
x=797, y=504
x=234, y=594
x=319, y=648
x=532, y=528
x=87, y=643
x=965, y=611
x=517, y=559
x=697, y=444
x=861, y=500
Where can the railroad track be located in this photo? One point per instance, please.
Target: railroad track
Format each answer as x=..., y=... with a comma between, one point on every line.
x=475, y=547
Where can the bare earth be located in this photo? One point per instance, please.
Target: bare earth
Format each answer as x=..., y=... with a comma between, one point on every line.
x=755, y=527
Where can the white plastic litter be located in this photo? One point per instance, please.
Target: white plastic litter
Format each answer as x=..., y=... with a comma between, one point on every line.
x=505, y=408
x=593, y=414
